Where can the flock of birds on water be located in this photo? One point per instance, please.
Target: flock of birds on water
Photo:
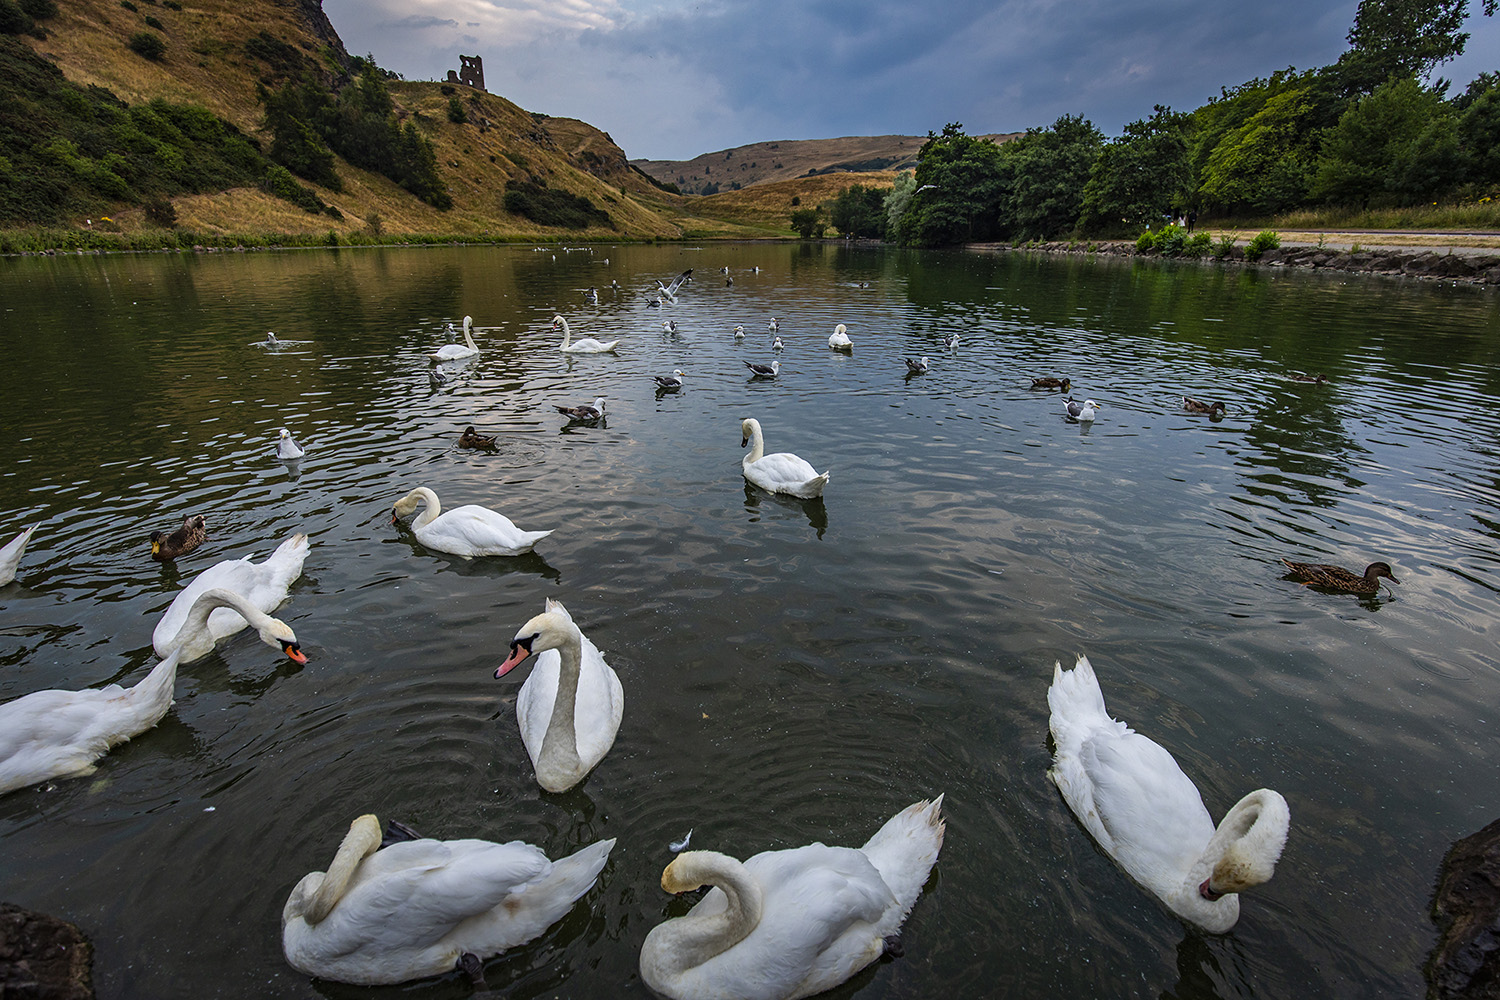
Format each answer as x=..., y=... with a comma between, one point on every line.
x=394, y=906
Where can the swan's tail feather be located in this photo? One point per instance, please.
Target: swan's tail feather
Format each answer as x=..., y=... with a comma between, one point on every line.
x=1077, y=703
x=905, y=849
x=150, y=698
x=575, y=875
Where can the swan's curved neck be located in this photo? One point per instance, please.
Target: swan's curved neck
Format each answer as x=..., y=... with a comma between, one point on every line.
x=362, y=840
x=1242, y=853
x=559, y=750
x=431, y=508
x=757, y=446
x=468, y=338
x=195, y=628
x=694, y=940
x=567, y=332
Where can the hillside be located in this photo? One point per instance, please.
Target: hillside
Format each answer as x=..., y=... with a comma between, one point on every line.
x=767, y=162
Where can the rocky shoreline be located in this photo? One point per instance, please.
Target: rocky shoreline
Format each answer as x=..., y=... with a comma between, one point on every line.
x=1437, y=264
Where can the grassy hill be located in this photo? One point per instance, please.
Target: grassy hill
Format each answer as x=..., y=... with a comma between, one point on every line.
x=215, y=54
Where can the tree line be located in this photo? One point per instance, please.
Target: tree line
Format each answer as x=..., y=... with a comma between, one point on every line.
x=1365, y=132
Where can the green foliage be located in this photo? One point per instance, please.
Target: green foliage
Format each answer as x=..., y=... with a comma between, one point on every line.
x=161, y=212
x=1046, y=171
x=129, y=6
x=1262, y=241
x=1141, y=175
x=148, y=45
x=959, y=188
x=280, y=182
x=1264, y=164
x=152, y=22
x=1223, y=246
x=896, y=201
x=285, y=60
x=547, y=207
x=13, y=19
x=1403, y=38
x=1396, y=146
x=456, y=113
x=859, y=211
x=809, y=223
x=39, y=9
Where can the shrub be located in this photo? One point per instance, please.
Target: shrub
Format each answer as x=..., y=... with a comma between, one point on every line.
x=148, y=45
x=1263, y=241
x=546, y=207
x=1197, y=245
x=128, y=5
x=1223, y=246
x=13, y=20
x=171, y=4
x=39, y=9
x=280, y=182
x=456, y=113
x=374, y=224
x=152, y=22
x=161, y=212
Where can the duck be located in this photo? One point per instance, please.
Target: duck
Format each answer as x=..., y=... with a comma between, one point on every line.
x=916, y=366
x=166, y=547
x=739, y=333
x=59, y=733
x=471, y=438
x=839, y=340
x=1082, y=413
x=1052, y=383
x=781, y=472
x=466, y=531
x=1339, y=578
x=950, y=341
x=1316, y=378
x=287, y=448
x=419, y=907
x=584, y=345
x=10, y=555
x=1131, y=796
x=669, y=383
x=791, y=923
x=457, y=352
x=763, y=371
x=569, y=709
x=585, y=414
x=263, y=585
x=591, y=296
x=1215, y=409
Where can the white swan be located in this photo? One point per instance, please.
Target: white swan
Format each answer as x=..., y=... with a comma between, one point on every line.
x=570, y=707
x=1132, y=797
x=262, y=585
x=287, y=448
x=425, y=907
x=466, y=531
x=59, y=734
x=840, y=341
x=788, y=924
x=10, y=555
x=584, y=345
x=457, y=352
x=782, y=472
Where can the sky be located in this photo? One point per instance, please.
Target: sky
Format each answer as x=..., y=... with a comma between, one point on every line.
x=670, y=79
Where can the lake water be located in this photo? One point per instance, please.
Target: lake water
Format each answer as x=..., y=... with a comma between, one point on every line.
x=794, y=671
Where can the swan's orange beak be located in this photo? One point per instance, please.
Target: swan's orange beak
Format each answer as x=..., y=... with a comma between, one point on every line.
x=294, y=652
x=1207, y=891
x=519, y=650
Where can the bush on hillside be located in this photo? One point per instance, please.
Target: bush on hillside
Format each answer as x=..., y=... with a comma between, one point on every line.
x=558, y=209
x=148, y=45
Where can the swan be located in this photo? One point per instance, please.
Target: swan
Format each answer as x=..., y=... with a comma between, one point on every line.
x=10, y=555
x=585, y=345
x=466, y=531
x=59, y=734
x=263, y=585
x=287, y=448
x=585, y=413
x=840, y=341
x=457, y=352
x=1145, y=813
x=916, y=366
x=791, y=923
x=669, y=383
x=569, y=709
x=165, y=547
x=1082, y=413
x=418, y=908
x=782, y=472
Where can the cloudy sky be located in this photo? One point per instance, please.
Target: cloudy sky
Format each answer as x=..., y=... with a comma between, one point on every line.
x=669, y=79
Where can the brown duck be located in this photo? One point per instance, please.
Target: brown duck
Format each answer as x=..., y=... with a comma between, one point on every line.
x=471, y=439
x=1297, y=377
x=1338, y=578
x=1214, y=409
x=165, y=547
x=1052, y=383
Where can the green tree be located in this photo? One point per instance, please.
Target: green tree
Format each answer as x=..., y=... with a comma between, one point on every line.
x=808, y=222
x=1264, y=165
x=1047, y=170
x=896, y=201
x=1479, y=129
x=1141, y=175
x=859, y=211
x=1399, y=145
x=1403, y=38
x=959, y=186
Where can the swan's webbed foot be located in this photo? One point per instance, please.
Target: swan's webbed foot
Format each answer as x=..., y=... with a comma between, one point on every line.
x=893, y=947
x=470, y=965
x=396, y=832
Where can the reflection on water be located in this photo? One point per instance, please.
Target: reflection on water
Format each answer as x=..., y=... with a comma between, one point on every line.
x=794, y=670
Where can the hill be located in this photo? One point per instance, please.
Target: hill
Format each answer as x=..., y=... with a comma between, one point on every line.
x=768, y=162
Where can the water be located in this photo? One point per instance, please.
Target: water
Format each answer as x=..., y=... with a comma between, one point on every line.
x=794, y=671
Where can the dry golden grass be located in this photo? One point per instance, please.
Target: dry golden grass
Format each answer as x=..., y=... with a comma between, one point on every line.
x=770, y=205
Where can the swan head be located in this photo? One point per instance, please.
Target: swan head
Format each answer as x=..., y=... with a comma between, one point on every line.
x=548, y=630
x=278, y=634
x=685, y=873
x=748, y=428
x=558, y=322
x=841, y=328
x=1258, y=824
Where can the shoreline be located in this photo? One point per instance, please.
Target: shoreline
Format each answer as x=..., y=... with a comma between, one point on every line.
x=1463, y=258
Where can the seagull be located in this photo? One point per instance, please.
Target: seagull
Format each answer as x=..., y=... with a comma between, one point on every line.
x=271, y=340
x=670, y=291
x=724, y=269
x=669, y=326
x=1082, y=413
x=287, y=447
x=669, y=382
x=773, y=326
x=587, y=413
x=776, y=344
x=916, y=366
x=739, y=333
x=592, y=296
x=728, y=281
x=950, y=341
x=767, y=371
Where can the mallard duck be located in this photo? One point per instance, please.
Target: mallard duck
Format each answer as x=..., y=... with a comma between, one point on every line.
x=587, y=413
x=1052, y=383
x=472, y=439
x=669, y=383
x=1339, y=578
x=916, y=366
x=1295, y=377
x=1214, y=409
x=763, y=371
x=165, y=547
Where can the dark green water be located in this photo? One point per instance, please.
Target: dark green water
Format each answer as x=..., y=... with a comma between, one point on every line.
x=793, y=671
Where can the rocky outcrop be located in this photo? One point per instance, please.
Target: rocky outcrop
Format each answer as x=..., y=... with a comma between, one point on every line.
x=42, y=957
x=1466, y=962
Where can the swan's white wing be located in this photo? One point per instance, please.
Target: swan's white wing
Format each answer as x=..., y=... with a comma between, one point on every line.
x=231, y=574
x=472, y=530
x=599, y=707
x=781, y=468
